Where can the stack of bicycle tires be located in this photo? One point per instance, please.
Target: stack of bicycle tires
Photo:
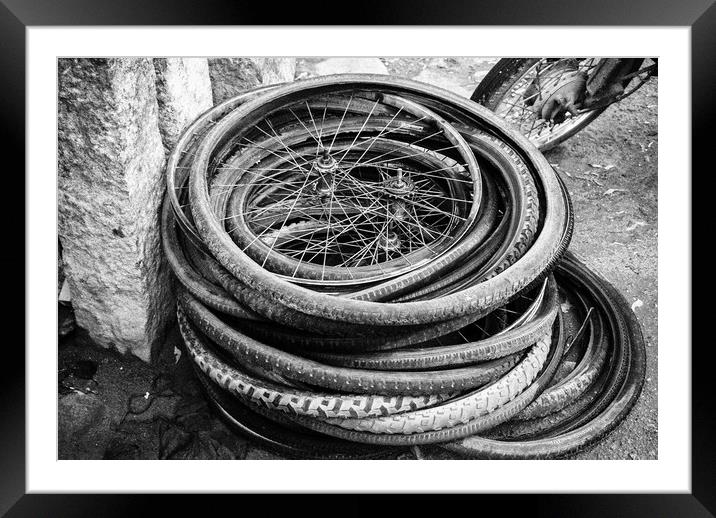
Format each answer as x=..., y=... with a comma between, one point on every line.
x=367, y=263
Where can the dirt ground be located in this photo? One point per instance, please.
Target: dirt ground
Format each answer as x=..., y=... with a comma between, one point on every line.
x=116, y=407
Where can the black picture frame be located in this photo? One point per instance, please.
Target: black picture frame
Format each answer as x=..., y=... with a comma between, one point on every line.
x=17, y=15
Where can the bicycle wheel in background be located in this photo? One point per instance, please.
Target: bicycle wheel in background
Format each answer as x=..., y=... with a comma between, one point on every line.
x=520, y=90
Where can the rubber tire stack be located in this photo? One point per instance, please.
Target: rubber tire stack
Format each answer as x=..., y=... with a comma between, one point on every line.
x=495, y=343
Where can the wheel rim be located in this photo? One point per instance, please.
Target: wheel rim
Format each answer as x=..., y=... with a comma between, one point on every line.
x=328, y=199
x=527, y=263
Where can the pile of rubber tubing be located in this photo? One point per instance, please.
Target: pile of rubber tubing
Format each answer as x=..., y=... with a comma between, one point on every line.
x=367, y=263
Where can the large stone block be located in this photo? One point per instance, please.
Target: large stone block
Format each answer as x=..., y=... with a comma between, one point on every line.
x=110, y=182
x=231, y=76
x=183, y=93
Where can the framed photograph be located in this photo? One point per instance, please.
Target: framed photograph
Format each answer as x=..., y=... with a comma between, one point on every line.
x=287, y=258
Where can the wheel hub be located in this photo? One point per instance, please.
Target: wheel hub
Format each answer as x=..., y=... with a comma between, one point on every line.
x=399, y=186
x=398, y=210
x=389, y=241
x=325, y=163
x=325, y=166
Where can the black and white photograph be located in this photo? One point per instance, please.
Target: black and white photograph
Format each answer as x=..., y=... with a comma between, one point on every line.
x=357, y=258
x=269, y=252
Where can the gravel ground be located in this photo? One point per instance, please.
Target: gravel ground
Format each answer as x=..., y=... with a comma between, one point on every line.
x=129, y=410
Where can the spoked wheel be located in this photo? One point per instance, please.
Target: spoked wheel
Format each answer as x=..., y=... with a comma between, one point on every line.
x=367, y=187
x=352, y=222
x=517, y=90
x=339, y=198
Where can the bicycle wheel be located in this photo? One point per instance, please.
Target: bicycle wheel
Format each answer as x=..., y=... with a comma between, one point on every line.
x=515, y=87
x=209, y=211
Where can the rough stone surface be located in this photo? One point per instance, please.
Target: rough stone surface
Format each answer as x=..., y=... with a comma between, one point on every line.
x=83, y=428
x=231, y=76
x=351, y=66
x=183, y=93
x=110, y=183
